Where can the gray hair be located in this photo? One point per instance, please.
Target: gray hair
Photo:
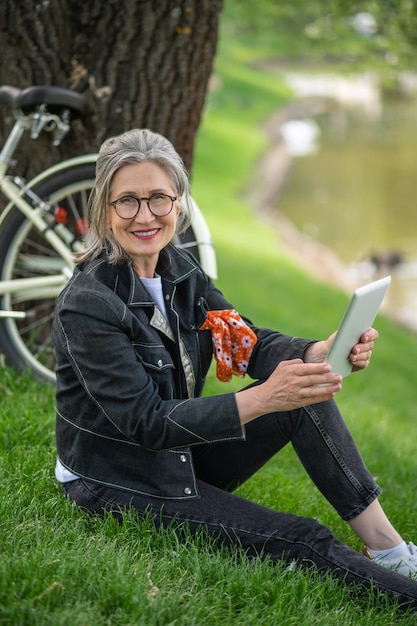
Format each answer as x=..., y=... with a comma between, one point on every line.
x=133, y=146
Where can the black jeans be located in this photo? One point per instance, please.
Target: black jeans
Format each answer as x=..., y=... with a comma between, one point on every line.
x=329, y=455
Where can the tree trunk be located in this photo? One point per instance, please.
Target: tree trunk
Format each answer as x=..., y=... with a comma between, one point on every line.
x=140, y=63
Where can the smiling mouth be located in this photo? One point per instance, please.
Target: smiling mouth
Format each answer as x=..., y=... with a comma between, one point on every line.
x=145, y=234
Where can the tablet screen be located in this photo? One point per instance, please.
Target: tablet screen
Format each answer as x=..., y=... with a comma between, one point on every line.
x=358, y=318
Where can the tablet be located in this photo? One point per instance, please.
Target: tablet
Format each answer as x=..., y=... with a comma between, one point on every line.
x=358, y=318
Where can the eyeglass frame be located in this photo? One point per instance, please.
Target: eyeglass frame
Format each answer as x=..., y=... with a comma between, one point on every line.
x=139, y=201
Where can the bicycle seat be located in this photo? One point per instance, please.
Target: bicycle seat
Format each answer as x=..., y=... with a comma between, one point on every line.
x=55, y=98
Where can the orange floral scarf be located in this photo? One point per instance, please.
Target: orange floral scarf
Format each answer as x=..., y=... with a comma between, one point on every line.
x=233, y=343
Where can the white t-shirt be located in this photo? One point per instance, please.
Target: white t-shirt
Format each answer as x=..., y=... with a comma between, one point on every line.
x=154, y=286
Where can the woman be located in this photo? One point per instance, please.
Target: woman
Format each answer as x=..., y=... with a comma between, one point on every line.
x=134, y=334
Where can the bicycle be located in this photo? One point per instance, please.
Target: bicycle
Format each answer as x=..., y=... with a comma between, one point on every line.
x=43, y=224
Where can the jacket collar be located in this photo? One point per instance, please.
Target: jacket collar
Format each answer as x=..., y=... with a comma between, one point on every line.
x=174, y=265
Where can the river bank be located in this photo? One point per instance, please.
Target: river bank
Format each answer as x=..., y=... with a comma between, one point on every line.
x=266, y=187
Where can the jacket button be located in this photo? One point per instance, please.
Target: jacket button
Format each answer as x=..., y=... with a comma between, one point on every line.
x=183, y=458
x=187, y=491
x=160, y=363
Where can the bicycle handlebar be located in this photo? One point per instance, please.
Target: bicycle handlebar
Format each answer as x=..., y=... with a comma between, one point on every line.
x=40, y=108
x=55, y=99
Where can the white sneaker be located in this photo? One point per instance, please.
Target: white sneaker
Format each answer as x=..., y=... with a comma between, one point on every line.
x=405, y=564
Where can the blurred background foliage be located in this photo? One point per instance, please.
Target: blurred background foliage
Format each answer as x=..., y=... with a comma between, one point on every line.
x=380, y=33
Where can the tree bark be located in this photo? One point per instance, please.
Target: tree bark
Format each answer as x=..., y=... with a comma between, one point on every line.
x=140, y=63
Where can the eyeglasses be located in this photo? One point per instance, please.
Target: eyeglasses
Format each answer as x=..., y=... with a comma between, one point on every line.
x=159, y=205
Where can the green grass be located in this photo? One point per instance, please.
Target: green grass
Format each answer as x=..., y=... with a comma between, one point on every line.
x=59, y=567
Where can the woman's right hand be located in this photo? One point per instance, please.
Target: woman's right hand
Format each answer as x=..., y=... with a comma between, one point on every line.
x=291, y=385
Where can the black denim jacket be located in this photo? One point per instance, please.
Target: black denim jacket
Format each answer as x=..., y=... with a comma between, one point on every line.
x=129, y=385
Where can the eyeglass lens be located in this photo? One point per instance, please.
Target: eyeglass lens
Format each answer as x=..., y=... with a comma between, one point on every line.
x=159, y=205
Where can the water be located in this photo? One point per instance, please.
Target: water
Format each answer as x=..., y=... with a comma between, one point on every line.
x=357, y=194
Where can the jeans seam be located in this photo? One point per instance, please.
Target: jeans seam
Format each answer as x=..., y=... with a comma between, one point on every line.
x=334, y=451
x=92, y=493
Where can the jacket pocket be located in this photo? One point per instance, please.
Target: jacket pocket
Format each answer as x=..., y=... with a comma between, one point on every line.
x=154, y=357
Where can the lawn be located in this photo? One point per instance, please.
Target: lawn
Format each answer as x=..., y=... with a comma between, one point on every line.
x=60, y=567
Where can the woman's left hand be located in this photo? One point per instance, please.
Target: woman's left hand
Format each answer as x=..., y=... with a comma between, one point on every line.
x=360, y=355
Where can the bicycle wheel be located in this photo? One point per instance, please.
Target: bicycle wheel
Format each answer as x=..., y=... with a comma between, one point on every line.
x=25, y=253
